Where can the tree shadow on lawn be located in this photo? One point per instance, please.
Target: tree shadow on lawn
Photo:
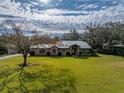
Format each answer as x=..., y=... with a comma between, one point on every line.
x=43, y=79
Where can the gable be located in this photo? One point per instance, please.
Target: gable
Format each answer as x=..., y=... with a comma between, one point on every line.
x=75, y=45
x=54, y=47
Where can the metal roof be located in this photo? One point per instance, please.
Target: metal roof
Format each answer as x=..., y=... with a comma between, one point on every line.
x=43, y=46
x=64, y=44
x=81, y=44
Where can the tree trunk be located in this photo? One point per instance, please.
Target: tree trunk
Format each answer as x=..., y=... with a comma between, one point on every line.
x=110, y=44
x=25, y=60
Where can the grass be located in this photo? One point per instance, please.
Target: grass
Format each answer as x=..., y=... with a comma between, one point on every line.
x=103, y=74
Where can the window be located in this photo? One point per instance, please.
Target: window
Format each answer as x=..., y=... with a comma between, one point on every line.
x=42, y=51
x=63, y=50
x=67, y=53
x=59, y=54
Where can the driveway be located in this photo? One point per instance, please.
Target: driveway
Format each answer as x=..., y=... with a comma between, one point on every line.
x=8, y=56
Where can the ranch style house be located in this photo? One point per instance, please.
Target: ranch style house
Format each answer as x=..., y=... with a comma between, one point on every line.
x=61, y=48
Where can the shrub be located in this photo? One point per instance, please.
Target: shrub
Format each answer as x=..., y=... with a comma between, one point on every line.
x=32, y=53
x=3, y=50
x=92, y=53
x=112, y=51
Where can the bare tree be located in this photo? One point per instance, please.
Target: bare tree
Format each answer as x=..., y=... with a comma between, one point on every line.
x=20, y=41
x=113, y=29
x=98, y=35
x=93, y=35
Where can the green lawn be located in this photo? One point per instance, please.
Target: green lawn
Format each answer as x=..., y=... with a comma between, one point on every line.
x=103, y=74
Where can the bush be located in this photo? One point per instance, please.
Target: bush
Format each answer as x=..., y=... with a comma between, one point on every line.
x=112, y=51
x=3, y=51
x=92, y=53
x=32, y=53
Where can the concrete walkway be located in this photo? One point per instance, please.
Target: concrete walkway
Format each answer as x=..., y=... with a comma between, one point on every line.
x=9, y=56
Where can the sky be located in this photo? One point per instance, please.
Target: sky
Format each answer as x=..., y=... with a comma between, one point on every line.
x=59, y=16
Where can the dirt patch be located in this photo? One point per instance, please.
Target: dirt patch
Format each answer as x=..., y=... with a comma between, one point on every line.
x=120, y=64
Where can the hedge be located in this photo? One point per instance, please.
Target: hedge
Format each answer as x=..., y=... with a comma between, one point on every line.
x=3, y=51
x=112, y=51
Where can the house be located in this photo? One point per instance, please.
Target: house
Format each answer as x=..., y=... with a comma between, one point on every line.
x=62, y=48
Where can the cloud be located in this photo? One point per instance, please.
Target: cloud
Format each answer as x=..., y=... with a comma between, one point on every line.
x=57, y=19
x=56, y=11
x=85, y=6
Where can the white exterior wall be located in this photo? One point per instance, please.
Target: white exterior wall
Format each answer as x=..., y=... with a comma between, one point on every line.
x=47, y=50
x=36, y=51
x=63, y=51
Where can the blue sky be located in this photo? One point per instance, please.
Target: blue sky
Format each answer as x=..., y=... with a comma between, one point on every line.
x=61, y=15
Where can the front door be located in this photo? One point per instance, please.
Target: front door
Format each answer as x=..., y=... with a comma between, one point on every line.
x=74, y=50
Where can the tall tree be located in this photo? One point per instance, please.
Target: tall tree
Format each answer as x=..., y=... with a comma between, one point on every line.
x=122, y=37
x=46, y=39
x=3, y=32
x=73, y=35
x=113, y=32
x=98, y=35
x=20, y=41
x=94, y=35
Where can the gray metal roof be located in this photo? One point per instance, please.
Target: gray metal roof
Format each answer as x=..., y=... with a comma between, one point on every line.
x=67, y=44
x=64, y=44
x=43, y=46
